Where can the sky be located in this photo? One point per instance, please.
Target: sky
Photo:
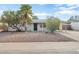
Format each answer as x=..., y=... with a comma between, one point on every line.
x=62, y=11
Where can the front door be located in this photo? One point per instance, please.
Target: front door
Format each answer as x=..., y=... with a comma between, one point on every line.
x=35, y=26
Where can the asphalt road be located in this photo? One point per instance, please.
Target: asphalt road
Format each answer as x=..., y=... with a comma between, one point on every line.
x=40, y=48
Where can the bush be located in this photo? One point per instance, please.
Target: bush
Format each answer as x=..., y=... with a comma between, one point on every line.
x=52, y=24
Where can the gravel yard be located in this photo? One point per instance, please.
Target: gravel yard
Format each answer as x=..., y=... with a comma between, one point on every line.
x=33, y=37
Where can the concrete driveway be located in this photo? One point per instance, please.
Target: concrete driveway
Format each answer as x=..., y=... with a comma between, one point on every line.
x=70, y=34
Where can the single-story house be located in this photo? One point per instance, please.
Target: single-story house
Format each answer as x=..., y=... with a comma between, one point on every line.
x=40, y=26
x=36, y=25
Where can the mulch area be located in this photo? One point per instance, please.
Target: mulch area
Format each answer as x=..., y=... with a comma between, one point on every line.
x=33, y=37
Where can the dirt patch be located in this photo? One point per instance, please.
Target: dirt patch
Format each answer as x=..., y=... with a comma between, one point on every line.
x=33, y=37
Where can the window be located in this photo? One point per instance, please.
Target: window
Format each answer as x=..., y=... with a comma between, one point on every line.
x=42, y=25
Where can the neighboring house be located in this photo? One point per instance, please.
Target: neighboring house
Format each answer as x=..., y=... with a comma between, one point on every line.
x=74, y=22
x=70, y=26
x=66, y=26
x=75, y=25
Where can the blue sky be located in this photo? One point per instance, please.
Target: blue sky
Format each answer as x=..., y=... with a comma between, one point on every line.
x=62, y=11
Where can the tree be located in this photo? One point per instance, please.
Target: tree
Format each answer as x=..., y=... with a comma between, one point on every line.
x=19, y=18
x=11, y=18
x=52, y=24
x=25, y=14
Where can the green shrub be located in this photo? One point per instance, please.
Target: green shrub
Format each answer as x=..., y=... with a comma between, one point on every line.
x=52, y=24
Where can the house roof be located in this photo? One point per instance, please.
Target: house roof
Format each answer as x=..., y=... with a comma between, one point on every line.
x=39, y=21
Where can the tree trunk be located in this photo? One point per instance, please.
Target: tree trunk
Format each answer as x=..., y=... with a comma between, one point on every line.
x=25, y=27
x=15, y=27
x=18, y=29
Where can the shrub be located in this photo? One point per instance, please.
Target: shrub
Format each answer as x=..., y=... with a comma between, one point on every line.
x=52, y=24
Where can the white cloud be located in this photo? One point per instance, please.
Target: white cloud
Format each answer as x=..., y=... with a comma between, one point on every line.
x=1, y=11
x=58, y=5
x=62, y=8
x=67, y=12
x=73, y=6
x=69, y=7
x=42, y=14
x=42, y=4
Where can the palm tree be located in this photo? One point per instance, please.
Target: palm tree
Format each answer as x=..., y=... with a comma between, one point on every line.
x=26, y=14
